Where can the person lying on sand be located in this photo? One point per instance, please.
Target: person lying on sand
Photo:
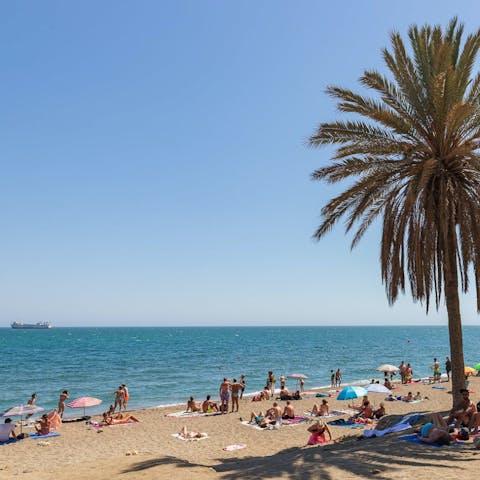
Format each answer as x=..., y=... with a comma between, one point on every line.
x=322, y=410
x=192, y=406
x=118, y=419
x=435, y=431
x=408, y=397
x=187, y=435
x=262, y=420
x=318, y=430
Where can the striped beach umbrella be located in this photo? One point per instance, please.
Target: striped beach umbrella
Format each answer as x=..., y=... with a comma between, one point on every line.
x=84, y=402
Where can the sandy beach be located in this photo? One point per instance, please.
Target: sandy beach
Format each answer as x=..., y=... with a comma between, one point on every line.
x=148, y=450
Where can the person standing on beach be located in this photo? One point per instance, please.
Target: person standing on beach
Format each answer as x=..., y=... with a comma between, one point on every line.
x=224, y=395
x=61, y=402
x=236, y=388
x=402, y=367
x=448, y=367
x=119, y=398
x=436, y=371
x=338, y=378
x=243, y=381
x=126, y=396
x=332, y=378
x=271, y=382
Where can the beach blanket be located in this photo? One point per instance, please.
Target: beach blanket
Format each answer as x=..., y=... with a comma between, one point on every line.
x=184, y=414
x=343, y=423
x=414, y=439
x=181, y=437
x=405, y=423
x=10, y=440
x=231, y=448
x=438, y=387
x=101, y=425
x=333, y=413
x=295, y=421
x=36, y=436
x=275, y=426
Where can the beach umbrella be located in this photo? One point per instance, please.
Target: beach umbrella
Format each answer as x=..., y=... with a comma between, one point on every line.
x=20, y=411
x=297, y=377
x=387, y=368
x=469, y=370
x=377, y=388
x=351, y=392
x=84, y=402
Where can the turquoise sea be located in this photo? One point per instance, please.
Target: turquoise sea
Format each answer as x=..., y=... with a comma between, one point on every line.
x=163, y=366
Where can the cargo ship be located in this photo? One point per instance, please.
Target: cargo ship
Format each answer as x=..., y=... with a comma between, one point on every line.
x=38, y=325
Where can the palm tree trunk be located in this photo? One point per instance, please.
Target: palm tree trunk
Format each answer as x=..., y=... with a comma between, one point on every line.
x=454, y=316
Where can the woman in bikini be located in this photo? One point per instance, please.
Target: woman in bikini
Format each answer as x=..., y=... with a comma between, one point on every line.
x=436, y=431
x=318, y=431
x=43, y=427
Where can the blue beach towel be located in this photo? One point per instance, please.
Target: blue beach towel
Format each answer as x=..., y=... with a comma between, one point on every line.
x=10, y=440
x=404, y=424
x=414, y=439
x=438, y=387
x=36, y=436
x=343, y=423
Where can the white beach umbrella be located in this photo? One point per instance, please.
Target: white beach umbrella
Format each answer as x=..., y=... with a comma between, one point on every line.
x=20, y=411
x=387, y=368
x=377, y=388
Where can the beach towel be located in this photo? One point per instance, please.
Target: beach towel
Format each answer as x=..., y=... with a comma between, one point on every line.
x=405, y=423
x=343, y=423
x=181, y=437
x=320, y=394
x=101, y=425
x=438, y=387
x=333, y=413
x=184, y=414
x=414, y=439
x=294, y=421
x=10, y=440
x=231, y=448
x=275, y=426
x=36, y=436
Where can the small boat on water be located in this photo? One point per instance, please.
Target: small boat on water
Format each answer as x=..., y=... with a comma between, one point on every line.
x=38, y=325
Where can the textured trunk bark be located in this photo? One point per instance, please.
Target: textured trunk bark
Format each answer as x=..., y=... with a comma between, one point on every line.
x=454, y=316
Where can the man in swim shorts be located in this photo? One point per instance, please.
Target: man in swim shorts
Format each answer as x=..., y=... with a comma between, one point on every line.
x=236, y=388
x=224, y=395
x=436, y=371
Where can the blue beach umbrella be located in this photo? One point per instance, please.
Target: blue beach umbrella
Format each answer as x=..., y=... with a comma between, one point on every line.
x=351, y=392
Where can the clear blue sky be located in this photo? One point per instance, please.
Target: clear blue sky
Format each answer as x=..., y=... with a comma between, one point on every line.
x=154, y=168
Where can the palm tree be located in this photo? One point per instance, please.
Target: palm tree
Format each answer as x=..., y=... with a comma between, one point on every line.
x=414, y=159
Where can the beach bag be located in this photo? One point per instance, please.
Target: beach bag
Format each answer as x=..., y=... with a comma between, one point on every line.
x=463, y=434
x=478, y=407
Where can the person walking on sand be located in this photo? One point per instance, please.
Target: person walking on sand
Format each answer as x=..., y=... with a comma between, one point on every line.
x=338, y=378
x=448, y=367
x=224, y=395
x=332, y=378
x=61, y=402
x=236, y=388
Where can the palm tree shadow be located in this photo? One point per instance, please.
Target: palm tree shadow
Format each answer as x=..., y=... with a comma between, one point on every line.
x=352, y=457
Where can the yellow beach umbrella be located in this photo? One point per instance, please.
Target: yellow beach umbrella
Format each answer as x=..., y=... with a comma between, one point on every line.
x=469, y=370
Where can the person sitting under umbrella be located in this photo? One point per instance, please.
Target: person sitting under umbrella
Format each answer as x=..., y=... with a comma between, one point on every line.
x=7, y=431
